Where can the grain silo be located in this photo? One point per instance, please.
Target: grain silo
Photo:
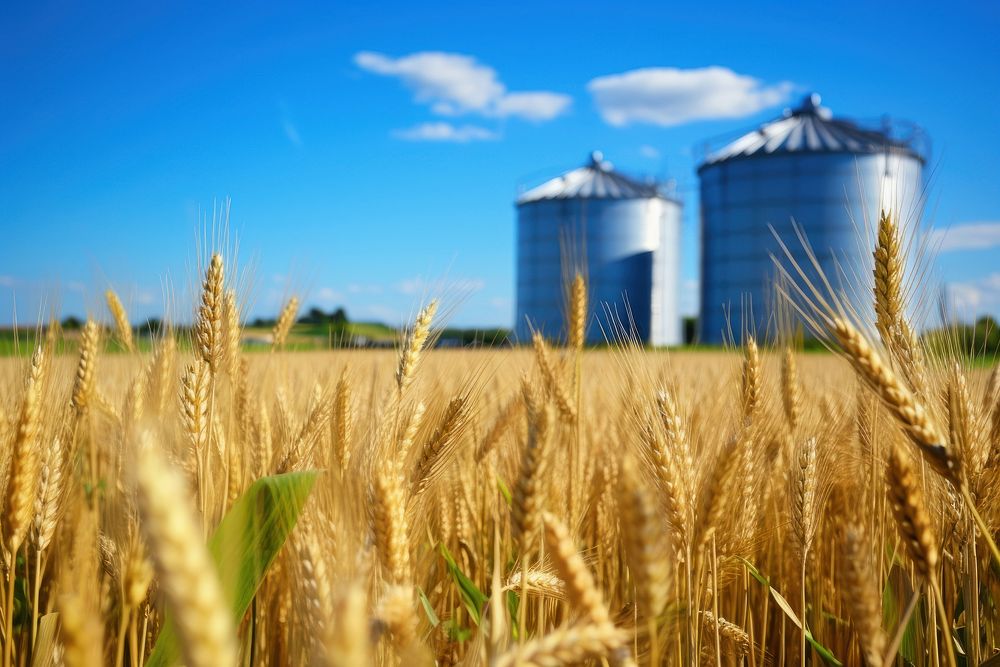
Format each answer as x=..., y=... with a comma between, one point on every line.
x=629, y=233
x=828, y=175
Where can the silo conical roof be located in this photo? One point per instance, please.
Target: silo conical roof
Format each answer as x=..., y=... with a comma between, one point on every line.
x=810, y=128
x=595, y=180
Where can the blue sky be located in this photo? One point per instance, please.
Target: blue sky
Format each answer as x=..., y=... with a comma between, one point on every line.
x=373, y=151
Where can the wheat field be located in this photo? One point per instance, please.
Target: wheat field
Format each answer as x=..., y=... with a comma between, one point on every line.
x=545, y=505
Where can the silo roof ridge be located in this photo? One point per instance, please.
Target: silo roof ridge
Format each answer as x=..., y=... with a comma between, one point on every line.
x=597, y=179
x=809, y=128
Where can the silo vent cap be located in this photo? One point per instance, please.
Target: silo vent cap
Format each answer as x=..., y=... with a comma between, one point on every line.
x=597, y=161
x=812, y=104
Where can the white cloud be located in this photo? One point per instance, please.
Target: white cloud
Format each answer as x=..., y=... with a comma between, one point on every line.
x=145, y=297
x=454, y=84
x=648, y=151
x=535, y=106
x=670, y=96
x=970, y=299
x=969, y=236
x=328, y=296
x=7, y=281
x=441, y=131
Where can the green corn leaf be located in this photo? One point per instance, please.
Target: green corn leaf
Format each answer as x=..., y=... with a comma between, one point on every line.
x=823, y=651
x=472, y=597
x=244, y=545
x=428, y=609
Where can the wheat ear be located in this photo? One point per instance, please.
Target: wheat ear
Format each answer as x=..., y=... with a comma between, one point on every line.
x=343, y=421
x=347, y=641
x=583, y=593
x=862, y=594
x=22, y=477
x=284, y=324
x=888, y=273
x=672, y=466
x=413, y=345
x=578, y=313
x=122, y=325
x=751, y=380
x=911, y=514
x=528, y=497
x=804, y=496
x=232, y=334
x=208, y=329
x=83, y=385
x=901, y=402
x=553, y=385
x=184, y=569
x=566, y=646
x=434, y=454
x=642, y=533
x=791, y=391
x=389, y=524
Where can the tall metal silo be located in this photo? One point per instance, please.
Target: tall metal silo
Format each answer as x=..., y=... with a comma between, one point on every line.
x=826, y=174
x=628, y=231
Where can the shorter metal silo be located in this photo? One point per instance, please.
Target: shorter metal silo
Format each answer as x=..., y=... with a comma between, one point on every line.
x=828, y=176
x=629, y=233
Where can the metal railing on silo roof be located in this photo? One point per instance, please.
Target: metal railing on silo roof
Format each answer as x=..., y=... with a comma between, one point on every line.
x=807, y=166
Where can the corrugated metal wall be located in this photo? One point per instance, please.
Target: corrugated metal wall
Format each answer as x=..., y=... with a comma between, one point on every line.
x=822, y=192
x=632, y=248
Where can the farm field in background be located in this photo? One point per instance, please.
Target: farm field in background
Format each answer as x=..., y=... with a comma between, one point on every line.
x=183, y=499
